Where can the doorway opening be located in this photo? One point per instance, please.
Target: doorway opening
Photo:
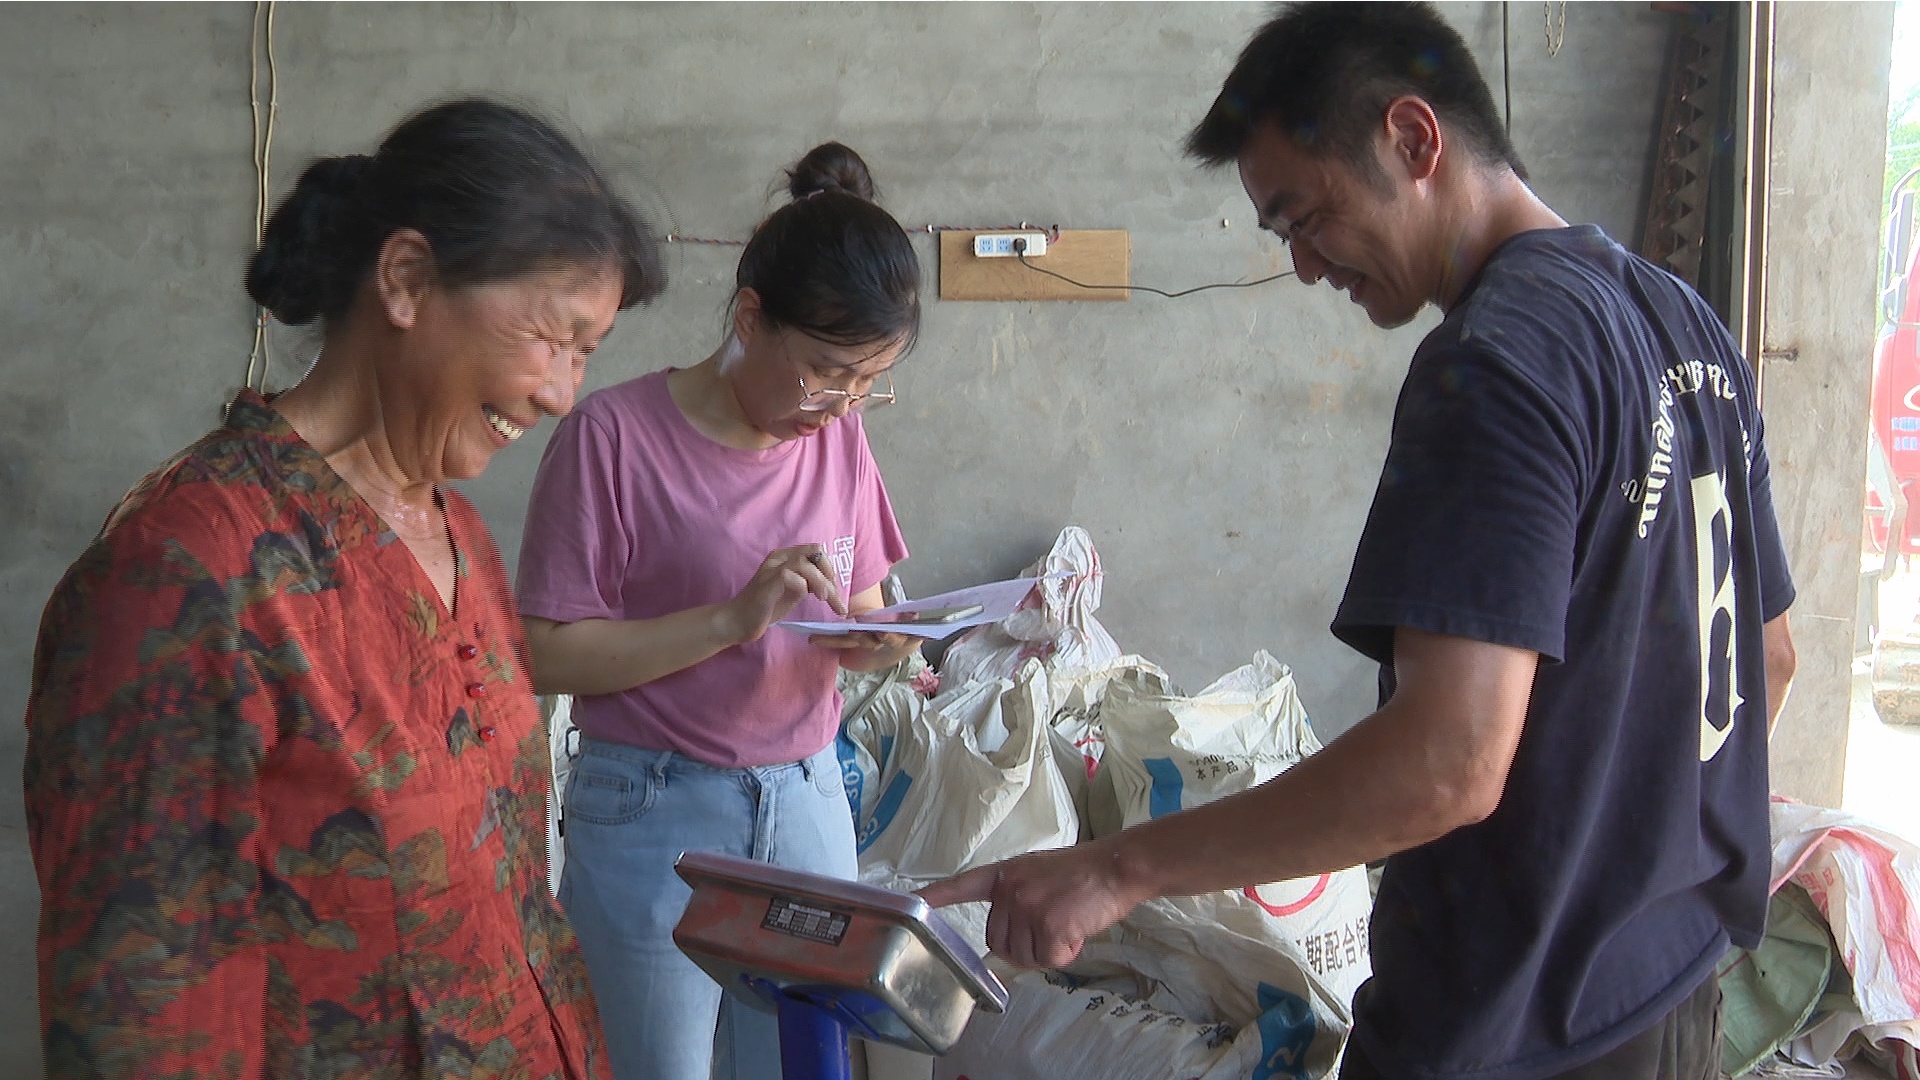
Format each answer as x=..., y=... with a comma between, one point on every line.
x=1883, y=743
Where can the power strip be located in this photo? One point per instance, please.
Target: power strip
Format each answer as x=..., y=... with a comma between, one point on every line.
x=1001, y=245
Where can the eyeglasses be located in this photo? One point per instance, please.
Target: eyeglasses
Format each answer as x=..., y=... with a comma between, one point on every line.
x=831, y=400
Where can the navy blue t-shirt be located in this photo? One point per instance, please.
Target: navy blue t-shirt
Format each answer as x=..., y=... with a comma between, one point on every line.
x=1577, y=469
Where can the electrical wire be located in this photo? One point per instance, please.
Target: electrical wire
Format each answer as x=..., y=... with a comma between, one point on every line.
x=1022, y=256
x=1053, y=237
x=261, y=357
x=1506, y=67
x=1052, y=231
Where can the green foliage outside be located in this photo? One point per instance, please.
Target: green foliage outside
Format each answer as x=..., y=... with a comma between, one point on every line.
x=1903, y=138
x=1903, y=157
x=1903, y=95
x=1903, y=119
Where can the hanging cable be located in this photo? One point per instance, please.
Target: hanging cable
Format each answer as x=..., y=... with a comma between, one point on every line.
x=1052, y=231
x=1022, y=256
x=1506, y=67
x=1053, y=237
x=1556, y=35
x=264, y=115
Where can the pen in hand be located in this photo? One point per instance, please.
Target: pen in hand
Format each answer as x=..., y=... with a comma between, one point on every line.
x=819, y=559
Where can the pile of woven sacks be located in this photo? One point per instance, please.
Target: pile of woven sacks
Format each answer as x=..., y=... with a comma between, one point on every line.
x=1038, y=732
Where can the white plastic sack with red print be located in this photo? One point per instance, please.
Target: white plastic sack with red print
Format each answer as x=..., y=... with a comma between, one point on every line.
x=1166, y=752
x=1256, y=983
x=1866, y=881
x=1054, y=625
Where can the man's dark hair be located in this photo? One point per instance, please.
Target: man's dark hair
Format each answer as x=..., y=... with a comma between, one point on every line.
x=1325, y=72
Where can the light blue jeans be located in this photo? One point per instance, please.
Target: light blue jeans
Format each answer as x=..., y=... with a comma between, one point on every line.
x=629, y=814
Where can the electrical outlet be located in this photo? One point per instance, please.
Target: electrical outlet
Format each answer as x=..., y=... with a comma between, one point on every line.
x=1000, y=245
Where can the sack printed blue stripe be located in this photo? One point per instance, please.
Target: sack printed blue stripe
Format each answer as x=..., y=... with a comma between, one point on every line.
x=1168, y=787
x=1286, y=1031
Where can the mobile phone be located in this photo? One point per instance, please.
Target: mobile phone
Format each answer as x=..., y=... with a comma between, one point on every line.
x=925, y=615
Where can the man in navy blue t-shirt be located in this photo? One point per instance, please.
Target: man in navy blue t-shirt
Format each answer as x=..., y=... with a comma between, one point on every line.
x=1571, y=576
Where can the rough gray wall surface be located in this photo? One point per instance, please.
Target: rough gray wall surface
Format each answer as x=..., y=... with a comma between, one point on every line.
x=1822, y=265
x=1221, y=448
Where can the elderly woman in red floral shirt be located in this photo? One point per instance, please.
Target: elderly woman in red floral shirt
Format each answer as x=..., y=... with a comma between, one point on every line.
x=285, y=776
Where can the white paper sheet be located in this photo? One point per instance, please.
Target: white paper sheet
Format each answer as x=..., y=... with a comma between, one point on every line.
x=997, y=601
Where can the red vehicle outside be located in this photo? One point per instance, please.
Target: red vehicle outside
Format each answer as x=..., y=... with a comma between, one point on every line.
x=1896, y=374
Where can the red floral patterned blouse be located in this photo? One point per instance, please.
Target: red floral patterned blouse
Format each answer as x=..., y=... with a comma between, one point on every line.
x=287, y=811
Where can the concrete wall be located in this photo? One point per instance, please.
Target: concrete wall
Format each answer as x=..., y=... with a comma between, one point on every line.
x=1822, y=266
x=1221, y=448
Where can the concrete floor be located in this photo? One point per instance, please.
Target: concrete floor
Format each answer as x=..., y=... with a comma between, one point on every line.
x=1883, y=765
x=1883, y=760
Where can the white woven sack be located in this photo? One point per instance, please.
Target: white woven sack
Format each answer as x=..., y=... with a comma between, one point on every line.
x=1079, y=736
x=1054, y=625
x=1057, y=1027
x=1168, y=752
x=1221, y=957
x=962, y=780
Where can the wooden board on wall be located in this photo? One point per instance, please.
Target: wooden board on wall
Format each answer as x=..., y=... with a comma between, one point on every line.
x=1095, y=256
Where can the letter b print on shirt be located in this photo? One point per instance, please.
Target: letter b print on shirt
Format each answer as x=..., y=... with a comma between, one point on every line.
x=1719, y=631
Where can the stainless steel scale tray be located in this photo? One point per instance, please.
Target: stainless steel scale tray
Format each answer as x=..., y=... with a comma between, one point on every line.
x=898, y=971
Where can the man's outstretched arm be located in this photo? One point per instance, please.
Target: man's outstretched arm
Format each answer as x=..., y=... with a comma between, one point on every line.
x=1432, y=759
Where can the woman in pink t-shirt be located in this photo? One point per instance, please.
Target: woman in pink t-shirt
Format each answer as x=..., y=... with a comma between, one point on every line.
x=674, y=519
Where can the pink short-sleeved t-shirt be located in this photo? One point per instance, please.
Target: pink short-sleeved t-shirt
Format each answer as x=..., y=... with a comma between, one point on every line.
x=635, y=515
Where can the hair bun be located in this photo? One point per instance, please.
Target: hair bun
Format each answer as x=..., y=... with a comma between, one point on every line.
x=294, y=275
x=496, y=191
x=830, y=167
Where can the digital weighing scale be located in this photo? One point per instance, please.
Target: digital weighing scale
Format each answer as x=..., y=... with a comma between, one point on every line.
x=831, y=958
